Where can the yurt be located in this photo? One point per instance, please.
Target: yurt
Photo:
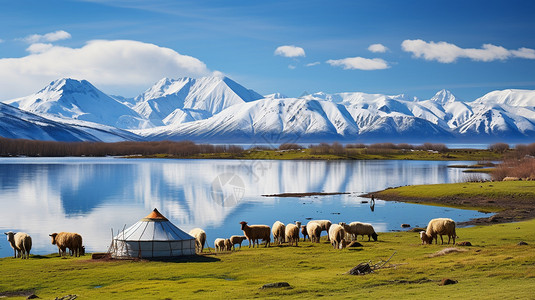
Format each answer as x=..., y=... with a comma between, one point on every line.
x=152, y=236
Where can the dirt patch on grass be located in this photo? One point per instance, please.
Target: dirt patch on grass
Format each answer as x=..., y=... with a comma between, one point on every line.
x=510, y=209
x=21, y=293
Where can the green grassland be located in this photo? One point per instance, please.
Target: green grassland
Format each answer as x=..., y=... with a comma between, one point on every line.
x=512, y=190
x=495, y=267
x=349, y=154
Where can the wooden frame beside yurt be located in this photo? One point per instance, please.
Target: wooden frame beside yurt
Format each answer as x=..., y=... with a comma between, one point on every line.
x=152, y=236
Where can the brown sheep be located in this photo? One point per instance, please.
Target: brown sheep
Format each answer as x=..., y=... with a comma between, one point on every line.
x=21, y=243
x=237, y=239
x=256, y=233
x=304, y=232
x=325, y=225
x=65, y=240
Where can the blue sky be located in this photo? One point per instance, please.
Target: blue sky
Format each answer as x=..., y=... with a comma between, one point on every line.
x=123, y=47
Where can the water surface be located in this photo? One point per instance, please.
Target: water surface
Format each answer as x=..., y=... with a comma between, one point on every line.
x=92, y=196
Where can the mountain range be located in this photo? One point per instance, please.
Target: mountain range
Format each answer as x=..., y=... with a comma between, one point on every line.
x=217, y=109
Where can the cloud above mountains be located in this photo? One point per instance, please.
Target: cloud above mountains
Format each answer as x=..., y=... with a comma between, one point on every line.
x=117, y=64
x=290, y=51
x=448, y=53
x=48, y=37
x=359, y=63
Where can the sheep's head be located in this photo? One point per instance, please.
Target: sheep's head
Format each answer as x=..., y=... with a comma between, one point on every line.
x=243, y=224
x=374, y=236
x=53, y=236
x=10, y=235
x=298, y=224
x=425, y=238
x=343, y=224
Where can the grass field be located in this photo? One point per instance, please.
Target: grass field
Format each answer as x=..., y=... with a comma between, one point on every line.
x=495, y=267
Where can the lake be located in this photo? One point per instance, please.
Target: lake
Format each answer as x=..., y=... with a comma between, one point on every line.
x=92, y=196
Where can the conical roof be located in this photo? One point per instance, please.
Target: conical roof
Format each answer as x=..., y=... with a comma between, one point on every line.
x=154, y=227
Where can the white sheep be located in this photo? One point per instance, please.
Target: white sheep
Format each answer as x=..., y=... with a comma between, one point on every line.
x=440, y=226
x=357, y=228
x=336, y=235
x=219, y=245
x=21, y=243
x=200, y=238
x=292, y=233
x=278, y=230
x=304, y=232
x=237, y=239
x=254, y=233
x=325, y=225
x=314, y=232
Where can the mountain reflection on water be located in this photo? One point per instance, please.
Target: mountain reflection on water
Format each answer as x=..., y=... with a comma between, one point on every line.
x=94, y=195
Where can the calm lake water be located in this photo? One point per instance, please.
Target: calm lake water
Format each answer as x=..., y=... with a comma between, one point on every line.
x=92, y=196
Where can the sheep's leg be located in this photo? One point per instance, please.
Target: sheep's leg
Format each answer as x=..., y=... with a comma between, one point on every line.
x=442, y=240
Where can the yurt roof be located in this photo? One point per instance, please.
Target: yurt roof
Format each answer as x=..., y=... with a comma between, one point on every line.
x=154, y=227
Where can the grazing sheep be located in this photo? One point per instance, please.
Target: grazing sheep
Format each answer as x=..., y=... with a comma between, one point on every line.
x=65, y=240
x=336, y=235
x=200, y=238
x=343, y=244
x=228, y=245
x=278, y=230
x=304, y=232
x=237, y=239
x=314, y=232
x=21, y=243
x=219, y=245
x=325, y=225
x=292, y=233
x=255, y=233
x=440, y=226
x=358, y=228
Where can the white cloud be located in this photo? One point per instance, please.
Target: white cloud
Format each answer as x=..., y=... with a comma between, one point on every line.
x=290, y=51
x=39, y=47
x=120, y=66
x=291, y=67
x=447, y=53
x=377, y=48
x=359, y=63
x=313, y=64
x=49, y=37
x=1, y=41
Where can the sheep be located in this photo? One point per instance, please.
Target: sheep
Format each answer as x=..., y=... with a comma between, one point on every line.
x=292, y=233
x=278, y=230
x=219, y=244
x=256, y=232
x=228, y=245
x=437, y=227
x=336, y=235
x=65, y=240
x=200, y=238
x=325, y=225
x=304, y=232
x=358, y=228
x=21, y=243
x=314, y=232
x=237, y=239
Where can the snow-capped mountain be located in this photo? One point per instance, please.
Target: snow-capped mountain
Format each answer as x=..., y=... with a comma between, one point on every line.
x=217, y=109
x=266, y=120
x=80, y=100
x=183, y=100
x=19, y=124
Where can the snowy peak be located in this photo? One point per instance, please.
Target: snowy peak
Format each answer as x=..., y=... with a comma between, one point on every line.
x=443, y=97
x=511, y=97
x=206, y=96
x=79, y=100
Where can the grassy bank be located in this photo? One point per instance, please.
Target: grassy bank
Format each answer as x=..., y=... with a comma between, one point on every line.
x=513, y=200
x=348, y=154
x=495, y=264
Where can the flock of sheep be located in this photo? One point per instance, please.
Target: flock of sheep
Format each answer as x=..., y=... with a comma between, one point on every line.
x=338, y=234
x=21, y=243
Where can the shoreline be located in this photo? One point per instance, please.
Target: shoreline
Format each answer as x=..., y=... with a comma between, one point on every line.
x=507, y=209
